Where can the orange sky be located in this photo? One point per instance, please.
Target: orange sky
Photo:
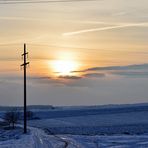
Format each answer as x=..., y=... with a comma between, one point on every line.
x=91, y=33
x=75, y=36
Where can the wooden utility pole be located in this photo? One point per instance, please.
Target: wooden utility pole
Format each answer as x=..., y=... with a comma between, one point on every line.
x=24, y=65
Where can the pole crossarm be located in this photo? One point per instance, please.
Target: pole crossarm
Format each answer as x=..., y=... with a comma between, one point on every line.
x=27, y=63
x=24, y=53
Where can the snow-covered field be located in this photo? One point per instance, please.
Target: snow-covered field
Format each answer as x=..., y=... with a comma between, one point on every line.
x=98, y=120
x=122, y=126
x=39, y=139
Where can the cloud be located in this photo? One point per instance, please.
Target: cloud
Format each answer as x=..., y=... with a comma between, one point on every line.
x=44, y=80
x=60, y=91
x=139, y=74
x=31, y=80
x=106, y=28
x=81, y=92
x=85, y=77
x=70, y=77
x=39, y=78
x=110, y=68
x=94, y=75
x=59, y=81
x=139, y=71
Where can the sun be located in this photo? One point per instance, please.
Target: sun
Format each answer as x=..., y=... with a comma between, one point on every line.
x=64, y=67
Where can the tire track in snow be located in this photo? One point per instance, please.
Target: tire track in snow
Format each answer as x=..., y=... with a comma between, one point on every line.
x=39, y=139
x=62, y=139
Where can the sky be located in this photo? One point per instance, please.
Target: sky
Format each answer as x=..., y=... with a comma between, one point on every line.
x=81, y=52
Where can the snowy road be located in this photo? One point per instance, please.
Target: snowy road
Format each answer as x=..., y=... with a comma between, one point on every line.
x=42, y=140
x=67, y=142
x=35, y=139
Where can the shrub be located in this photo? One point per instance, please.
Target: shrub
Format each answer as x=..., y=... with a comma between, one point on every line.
x=11, y=118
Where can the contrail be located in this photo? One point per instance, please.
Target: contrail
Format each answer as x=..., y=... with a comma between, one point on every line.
x=105, y=28
x=40, y=1
x=20, y=18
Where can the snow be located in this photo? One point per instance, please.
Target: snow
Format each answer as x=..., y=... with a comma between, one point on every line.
x=39, y=139
x=35, y=139
x=86, y=127
x=122, y=120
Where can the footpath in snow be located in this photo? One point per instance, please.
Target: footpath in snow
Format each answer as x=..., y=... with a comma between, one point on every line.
x=35, y=139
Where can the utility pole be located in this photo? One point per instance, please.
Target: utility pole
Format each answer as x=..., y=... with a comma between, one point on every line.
x=24, y=65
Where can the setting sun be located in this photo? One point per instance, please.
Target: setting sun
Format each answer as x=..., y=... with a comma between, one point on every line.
x=64, y=67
